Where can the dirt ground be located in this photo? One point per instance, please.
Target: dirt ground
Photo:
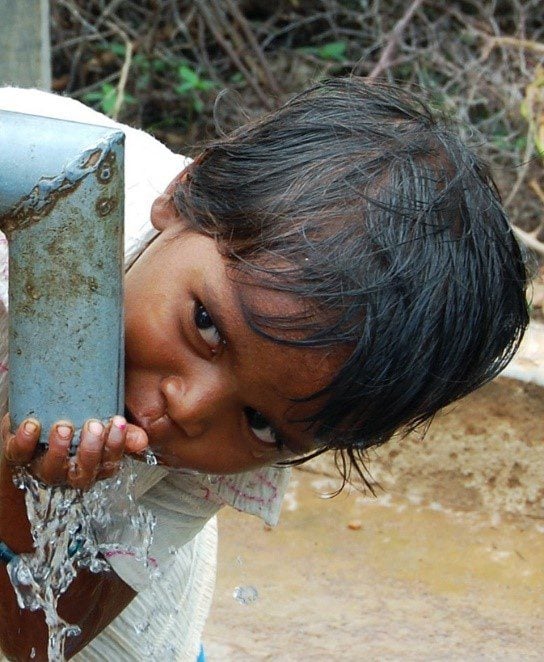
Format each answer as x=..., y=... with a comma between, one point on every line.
x=447, y=563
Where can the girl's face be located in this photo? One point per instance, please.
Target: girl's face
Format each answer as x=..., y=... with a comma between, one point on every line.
x=211, y=394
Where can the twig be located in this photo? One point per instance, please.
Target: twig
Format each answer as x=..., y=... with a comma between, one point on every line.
x=536, y=243
x=208, y=16
x=240, y=18
x=530, y=240
x=394, y=38
x=294, y=25
x=73, y=9
x=74, y=41
x=527, y=44
x=529, y=148
x=111, y=7
x=229, y=28
x=537, y=189
x=123, y=77
x=82, y=91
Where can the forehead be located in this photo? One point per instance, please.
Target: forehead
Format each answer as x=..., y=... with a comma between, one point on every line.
x=293, y=371
x=234, y=298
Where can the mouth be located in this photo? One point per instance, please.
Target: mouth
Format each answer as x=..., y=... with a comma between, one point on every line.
x=155, y=424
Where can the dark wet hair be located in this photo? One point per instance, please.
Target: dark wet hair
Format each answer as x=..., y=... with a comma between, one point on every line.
x=356, y=200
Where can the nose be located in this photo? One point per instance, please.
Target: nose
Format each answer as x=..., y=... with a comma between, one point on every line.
x=196, y=404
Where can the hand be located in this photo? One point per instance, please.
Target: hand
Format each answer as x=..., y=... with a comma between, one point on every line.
x=98, y=455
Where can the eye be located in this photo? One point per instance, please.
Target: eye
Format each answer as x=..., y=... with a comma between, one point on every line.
x=206, y=327
x=261, y=428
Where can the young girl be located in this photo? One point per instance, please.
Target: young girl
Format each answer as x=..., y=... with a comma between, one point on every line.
x=321, y=278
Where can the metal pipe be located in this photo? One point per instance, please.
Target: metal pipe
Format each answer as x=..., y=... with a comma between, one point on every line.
x=62, y=208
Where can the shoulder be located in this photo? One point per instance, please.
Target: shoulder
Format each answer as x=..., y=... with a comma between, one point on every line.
x=47, y=104
x=38, y=102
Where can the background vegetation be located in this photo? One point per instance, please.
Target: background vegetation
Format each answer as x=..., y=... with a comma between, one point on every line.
x=161, y=65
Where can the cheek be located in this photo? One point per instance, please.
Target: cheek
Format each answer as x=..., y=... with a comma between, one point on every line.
x=139, y=340
x=150, y=324
x=139, y=337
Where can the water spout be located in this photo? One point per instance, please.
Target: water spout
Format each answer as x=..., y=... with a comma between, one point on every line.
x=61, y=208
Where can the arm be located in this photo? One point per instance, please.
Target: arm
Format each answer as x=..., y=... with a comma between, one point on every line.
x=93, y=600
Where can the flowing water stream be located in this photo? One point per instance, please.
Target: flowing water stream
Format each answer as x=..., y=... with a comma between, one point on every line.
x=71, y=530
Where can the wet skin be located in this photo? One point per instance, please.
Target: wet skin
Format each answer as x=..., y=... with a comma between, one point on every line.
x=202, y=388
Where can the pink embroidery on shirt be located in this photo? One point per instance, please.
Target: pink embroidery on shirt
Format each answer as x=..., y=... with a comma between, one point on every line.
x=231, y=486
x=127, y=552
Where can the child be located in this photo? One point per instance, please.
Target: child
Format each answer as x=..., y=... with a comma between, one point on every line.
x=330, y=274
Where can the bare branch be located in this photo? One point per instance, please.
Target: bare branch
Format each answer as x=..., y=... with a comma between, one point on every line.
x=388, y=52
x=529, y=239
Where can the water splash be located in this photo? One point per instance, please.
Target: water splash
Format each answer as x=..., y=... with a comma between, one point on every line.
x=149, y=457
x=70, y=530
x=245, y=595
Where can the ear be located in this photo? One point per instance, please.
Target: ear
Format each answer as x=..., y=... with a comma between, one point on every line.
x=164, y=213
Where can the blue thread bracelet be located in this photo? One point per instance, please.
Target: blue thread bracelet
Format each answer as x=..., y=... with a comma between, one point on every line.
x=6, y=554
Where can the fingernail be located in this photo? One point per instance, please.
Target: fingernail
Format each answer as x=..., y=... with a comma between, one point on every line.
x=64, y=431
x=95, y=427
x=30, y=427
x=119, y=423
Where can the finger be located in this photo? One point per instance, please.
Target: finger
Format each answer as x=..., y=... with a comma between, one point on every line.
x=51, y=466
x=85, y=465
x=6, y=428
x=114, y=447
x=136, y=439
x=19, y=448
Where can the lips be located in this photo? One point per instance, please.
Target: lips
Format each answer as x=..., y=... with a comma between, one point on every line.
x=158, y=425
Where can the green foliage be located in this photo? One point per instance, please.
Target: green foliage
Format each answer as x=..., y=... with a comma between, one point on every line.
x=144, y=69
x=117, y=48
x=191, y=84
x=105, y=98
x=334, y=51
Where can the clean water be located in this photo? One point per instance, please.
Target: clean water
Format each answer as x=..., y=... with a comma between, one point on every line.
x=72, y=529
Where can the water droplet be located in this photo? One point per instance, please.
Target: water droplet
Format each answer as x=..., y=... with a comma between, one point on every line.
x=73, y=631
x=245, y=595
x=149, y=457
x=96, y=566
x=141, y=628
x=155, y=574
